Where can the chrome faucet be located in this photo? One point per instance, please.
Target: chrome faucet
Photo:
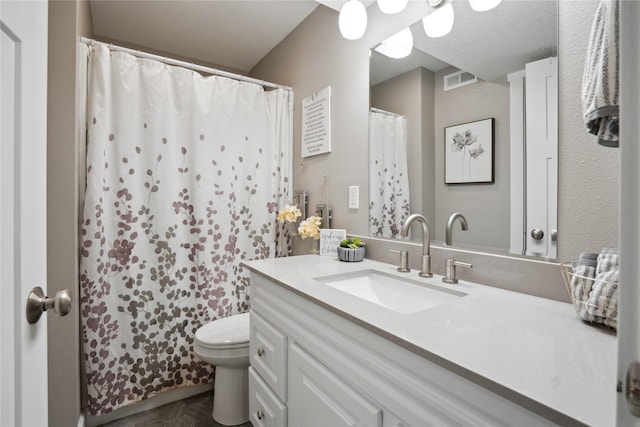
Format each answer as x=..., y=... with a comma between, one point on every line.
x=449, y=232
x=425, y=264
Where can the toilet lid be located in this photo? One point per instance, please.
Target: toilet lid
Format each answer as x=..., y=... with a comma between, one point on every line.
x=228, y=332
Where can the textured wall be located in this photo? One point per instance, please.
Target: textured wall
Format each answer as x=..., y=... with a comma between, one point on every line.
x=587, y=172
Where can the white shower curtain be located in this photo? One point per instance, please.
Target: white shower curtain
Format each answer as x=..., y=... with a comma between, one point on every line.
x=185, y=175
x=389, y=199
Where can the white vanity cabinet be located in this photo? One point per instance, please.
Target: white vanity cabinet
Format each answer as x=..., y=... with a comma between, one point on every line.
x=313, y=366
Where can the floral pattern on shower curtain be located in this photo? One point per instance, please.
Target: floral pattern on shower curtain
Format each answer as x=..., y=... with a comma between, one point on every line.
x=389, y=197
x=185, y=174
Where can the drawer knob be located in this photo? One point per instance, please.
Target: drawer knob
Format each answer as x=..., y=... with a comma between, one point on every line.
x=259, y=414
x=260, y=351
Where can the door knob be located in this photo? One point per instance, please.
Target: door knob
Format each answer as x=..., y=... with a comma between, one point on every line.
x=37, y=303
x=537, y=234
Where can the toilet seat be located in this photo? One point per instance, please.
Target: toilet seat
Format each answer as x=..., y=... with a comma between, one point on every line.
x=227, y=333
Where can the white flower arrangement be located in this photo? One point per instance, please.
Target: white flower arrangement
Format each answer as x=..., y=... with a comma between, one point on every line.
x=289, y=214
x=310, y=227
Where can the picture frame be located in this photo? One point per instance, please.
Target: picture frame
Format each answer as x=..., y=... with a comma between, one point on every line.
x=468, y=152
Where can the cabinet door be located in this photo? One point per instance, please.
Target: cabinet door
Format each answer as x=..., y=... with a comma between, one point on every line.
x=318, y=398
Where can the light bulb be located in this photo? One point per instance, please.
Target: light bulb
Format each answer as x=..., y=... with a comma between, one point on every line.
x=483, y=5
x=392, y=6
x=398, y=45
x=352, y=20
x=439, y=22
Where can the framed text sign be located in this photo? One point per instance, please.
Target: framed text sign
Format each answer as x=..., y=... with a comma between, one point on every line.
x=330, y=240
x=316, y=123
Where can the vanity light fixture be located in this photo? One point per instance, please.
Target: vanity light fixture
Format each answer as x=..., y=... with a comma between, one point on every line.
x=392, y=6
x=398, y=45
x=353, y=17
x=483, y=5
x=439, y=22
x=352, y=20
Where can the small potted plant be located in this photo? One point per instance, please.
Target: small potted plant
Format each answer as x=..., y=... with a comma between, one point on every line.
x=351, y=250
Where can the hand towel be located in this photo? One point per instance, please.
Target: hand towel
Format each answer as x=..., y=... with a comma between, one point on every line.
x=600, y=83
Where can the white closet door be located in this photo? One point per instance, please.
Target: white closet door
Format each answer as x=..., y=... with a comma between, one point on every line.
x=542, y=157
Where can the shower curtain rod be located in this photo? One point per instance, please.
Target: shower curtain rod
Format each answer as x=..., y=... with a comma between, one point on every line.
x=184, y=64
x=377, y=110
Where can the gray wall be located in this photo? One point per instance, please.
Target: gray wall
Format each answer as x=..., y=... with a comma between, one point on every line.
x=67, y=21
x=315, y=56
x=411, y=94
x=485, y=206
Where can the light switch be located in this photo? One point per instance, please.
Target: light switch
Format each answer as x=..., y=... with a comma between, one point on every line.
x=354, y=197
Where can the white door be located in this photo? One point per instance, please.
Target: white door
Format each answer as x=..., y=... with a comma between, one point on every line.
x=23, y=125
x=542, y=157
x=629, y=315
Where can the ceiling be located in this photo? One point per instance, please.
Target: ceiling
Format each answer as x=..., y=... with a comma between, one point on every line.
x=236, y=34
x=232, y=34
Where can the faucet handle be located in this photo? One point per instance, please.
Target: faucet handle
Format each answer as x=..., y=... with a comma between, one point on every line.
x=404, y=261
x=450, y=275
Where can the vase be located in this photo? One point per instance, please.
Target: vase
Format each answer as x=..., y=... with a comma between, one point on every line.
x=351, y=254
x=315, y=247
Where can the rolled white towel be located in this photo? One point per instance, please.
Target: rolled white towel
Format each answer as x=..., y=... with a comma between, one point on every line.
x=581, y=284
x=603, y=297
x=584, y=271
x=608, y=260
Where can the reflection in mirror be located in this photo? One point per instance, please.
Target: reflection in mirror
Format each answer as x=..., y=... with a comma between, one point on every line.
x=389, y=197
x=501, y=65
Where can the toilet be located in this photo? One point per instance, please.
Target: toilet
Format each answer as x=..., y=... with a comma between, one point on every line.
x=224, y=343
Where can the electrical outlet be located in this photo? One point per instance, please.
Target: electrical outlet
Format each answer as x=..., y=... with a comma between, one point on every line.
x=354, y=197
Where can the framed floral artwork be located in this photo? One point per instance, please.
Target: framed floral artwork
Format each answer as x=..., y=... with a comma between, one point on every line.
x=468, y=152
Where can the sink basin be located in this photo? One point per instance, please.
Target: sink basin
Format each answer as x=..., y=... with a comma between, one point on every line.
x=402, y=295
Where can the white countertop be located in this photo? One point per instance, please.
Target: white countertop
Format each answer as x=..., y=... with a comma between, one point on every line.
x=537, y=348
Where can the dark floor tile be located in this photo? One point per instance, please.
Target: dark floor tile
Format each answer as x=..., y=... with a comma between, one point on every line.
x=194, y=411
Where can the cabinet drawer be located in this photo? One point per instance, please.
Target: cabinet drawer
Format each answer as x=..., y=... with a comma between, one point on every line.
x=269, y=354
x=265, y=409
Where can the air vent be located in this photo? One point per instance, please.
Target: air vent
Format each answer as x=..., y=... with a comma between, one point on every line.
x=458, y=79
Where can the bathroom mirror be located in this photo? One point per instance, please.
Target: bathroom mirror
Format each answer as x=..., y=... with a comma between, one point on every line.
x=463, y=78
